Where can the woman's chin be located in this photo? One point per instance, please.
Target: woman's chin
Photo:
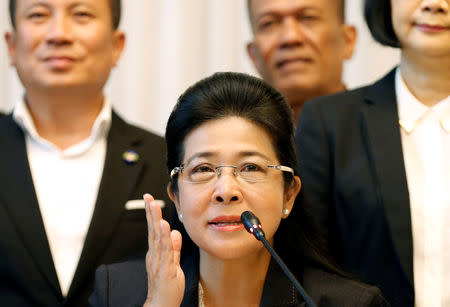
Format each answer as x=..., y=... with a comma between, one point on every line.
x=233, y=250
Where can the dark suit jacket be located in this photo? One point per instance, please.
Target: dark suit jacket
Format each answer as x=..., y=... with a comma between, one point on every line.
x=125, y=284
x=353, y=175
x=27, y=273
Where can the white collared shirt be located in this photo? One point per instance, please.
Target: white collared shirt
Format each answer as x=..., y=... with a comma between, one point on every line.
x=425, y=135
x=66, y=184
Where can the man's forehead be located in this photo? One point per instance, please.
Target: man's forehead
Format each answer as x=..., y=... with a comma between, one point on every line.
x=28, y=3
x=259, y=8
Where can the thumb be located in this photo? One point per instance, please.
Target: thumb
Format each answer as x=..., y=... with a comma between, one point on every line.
x=175, y=235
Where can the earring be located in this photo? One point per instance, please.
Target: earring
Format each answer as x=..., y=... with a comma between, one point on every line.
x=286, y=211
x=180, y=216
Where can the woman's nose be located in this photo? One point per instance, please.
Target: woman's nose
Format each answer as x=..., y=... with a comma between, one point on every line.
x=435, y=6
x=227, y=189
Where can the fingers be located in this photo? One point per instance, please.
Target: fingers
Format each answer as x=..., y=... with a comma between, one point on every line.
x=153, y=215
x=166, y=243
x=166, y=270
x=159, y=236
x=148, y=215
x=176, y=244
x=162, y=259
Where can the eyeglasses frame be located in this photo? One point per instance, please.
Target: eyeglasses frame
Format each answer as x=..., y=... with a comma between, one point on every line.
x=179, y=169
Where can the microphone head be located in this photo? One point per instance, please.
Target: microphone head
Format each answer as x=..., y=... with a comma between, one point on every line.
x=252, y=224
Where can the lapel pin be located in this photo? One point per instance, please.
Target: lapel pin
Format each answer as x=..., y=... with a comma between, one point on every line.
x=130, y=157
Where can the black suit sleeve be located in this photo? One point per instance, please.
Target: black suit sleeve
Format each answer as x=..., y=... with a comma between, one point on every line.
x=377, y=300
x=316, y=168
x=120, y=284
x=100, y=297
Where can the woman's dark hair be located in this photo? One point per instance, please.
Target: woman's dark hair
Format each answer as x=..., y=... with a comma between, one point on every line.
x=231, y=94
x=378, y=16
x=235, y=94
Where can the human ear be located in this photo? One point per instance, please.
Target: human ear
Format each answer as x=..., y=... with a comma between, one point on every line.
x=118, y=45
x=175, y=199
x=252, y=51
x=350, y=36
x=11, y=43
x=290, y=196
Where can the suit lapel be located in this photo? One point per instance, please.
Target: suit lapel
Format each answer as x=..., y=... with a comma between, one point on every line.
x=384, y=143
x=19, y=198
x=118, y=181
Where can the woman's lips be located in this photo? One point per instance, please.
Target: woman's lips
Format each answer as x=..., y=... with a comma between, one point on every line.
x=431, y=28
x=227, y=227
x=226, y=223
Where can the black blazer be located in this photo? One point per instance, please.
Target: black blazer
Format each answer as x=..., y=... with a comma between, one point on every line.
x=27, y=273
x=125, y=284
x=352, y=170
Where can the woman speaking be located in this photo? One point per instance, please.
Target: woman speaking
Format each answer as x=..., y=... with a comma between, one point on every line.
x=230, y=149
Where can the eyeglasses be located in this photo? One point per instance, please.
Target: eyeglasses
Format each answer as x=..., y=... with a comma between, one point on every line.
x=248, y=171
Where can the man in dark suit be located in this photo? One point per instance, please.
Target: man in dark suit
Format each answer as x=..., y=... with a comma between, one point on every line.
x=353, y=176
x=72, y=172
x=299, y=46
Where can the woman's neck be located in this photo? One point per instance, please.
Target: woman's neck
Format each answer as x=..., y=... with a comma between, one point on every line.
x=427, y=78
x=238, y=282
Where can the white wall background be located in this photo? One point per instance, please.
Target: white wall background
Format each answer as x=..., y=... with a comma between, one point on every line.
x=173, y=43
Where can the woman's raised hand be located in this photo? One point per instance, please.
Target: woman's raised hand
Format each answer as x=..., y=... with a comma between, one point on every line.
x=165, y=277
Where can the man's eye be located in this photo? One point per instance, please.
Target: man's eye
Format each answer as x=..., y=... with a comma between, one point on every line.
x=83, y=14
x=266, y=24
x=36, y=15
x=308, y=18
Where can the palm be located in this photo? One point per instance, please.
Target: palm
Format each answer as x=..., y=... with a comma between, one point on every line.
x=179, y=283
x=165, y=277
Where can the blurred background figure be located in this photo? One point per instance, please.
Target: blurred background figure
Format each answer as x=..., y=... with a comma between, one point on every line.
x=65, y=151
x=299, y=46
x=173, y=43
x=374, y=161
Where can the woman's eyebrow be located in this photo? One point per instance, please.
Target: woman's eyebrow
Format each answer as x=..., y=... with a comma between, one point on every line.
x=240, y=154
x=253, y=153
x=203, y=154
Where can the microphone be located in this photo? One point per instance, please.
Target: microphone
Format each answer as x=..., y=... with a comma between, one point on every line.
x=253, y=226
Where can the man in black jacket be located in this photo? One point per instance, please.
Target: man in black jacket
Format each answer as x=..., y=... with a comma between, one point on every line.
x=72, y=171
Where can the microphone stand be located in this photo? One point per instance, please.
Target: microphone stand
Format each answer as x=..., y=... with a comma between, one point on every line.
x=288, y=272
x=253, y=225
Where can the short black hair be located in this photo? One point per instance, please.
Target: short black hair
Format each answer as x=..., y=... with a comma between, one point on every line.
x=341, y=9
x=378, y=16
x=115, y=6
